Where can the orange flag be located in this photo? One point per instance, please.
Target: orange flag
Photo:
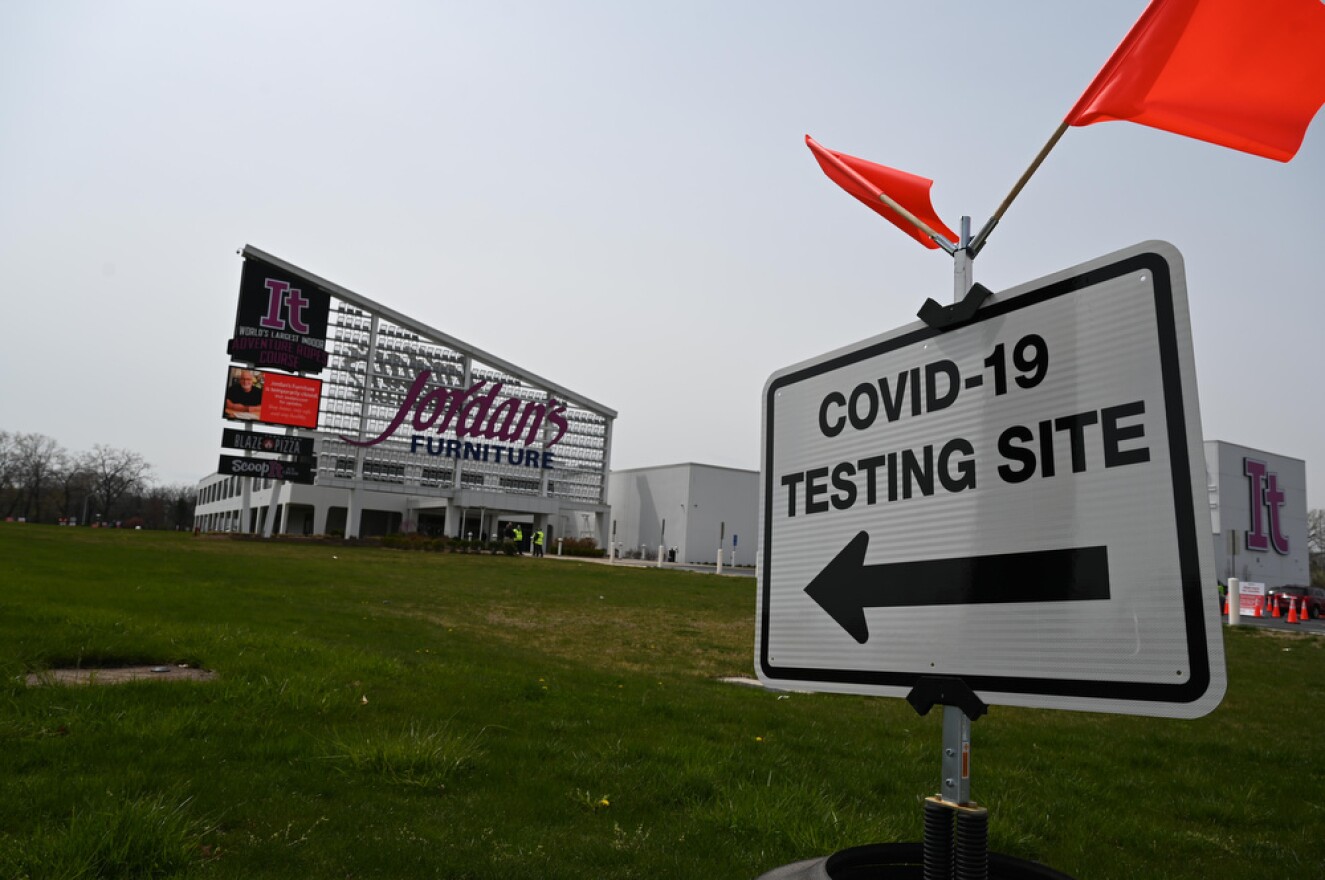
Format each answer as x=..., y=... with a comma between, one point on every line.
x=866, y=181
x=1245, y=74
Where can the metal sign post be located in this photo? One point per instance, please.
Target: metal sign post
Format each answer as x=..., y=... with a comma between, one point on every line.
x=969, y=841
x=956, y=726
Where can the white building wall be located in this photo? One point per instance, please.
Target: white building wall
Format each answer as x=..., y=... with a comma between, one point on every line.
x=647, y=505
x=686, y=506
x=1240, y=551
x=220, y=505
x=726, y=501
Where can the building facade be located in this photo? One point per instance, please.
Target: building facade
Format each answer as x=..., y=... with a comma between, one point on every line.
x=1258, y=514
x=691, y=508
x=417, y=431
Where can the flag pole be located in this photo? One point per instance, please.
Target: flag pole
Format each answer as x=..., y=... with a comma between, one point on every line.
x=979, y=241
x=906, y=215
x=915, y=221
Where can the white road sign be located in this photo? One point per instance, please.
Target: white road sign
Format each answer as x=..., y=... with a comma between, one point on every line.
x=1019, y=502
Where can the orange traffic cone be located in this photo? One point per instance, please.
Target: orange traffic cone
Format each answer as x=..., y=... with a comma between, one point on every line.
x=1274, y=608
x=1304, y=614
x=1224, y=613
x=1258, y=609
x=1292, y=612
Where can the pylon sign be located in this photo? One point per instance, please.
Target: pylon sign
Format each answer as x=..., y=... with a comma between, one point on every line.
x=1019, y=501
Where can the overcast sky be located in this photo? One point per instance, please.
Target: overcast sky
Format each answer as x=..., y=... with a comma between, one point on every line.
x=615, y=196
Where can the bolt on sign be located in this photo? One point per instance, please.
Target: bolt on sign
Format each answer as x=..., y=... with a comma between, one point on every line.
x=1018, y=502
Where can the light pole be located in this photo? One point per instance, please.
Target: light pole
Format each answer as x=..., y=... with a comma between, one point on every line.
x=681, y=548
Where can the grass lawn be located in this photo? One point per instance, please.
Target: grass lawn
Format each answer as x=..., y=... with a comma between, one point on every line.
x=386, y=714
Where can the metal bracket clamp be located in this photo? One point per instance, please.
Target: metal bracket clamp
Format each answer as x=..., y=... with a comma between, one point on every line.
x=945, y=690
x=947, y=317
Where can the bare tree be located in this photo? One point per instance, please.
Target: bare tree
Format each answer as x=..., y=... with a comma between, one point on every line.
x=73, y=489
x=8, y=470
x=183, y=497
x=40, y=480
x=113, y=473
x=37, y=459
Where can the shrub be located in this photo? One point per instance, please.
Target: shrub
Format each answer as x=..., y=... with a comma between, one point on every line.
x=580, y=547
x=416, y=542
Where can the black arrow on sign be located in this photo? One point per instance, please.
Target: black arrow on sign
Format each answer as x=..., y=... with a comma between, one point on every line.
x=847, y=586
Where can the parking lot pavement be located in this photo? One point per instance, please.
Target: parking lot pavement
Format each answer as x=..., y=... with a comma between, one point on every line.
x=1307, y=627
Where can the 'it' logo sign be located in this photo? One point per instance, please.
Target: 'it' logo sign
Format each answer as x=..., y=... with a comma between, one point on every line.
x=1266, y=498
x=281, y=320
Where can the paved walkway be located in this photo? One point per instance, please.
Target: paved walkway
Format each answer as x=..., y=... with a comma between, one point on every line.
x=727, y=570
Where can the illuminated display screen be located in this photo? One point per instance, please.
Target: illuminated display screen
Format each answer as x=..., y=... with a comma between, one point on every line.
x=272, y=398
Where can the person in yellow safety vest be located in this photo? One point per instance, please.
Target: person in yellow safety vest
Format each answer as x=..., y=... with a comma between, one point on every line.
x=538, y=542
x=519, y=541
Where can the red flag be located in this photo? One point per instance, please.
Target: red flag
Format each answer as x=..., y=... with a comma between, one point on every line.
x=1245, y=74
x=866, y=181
